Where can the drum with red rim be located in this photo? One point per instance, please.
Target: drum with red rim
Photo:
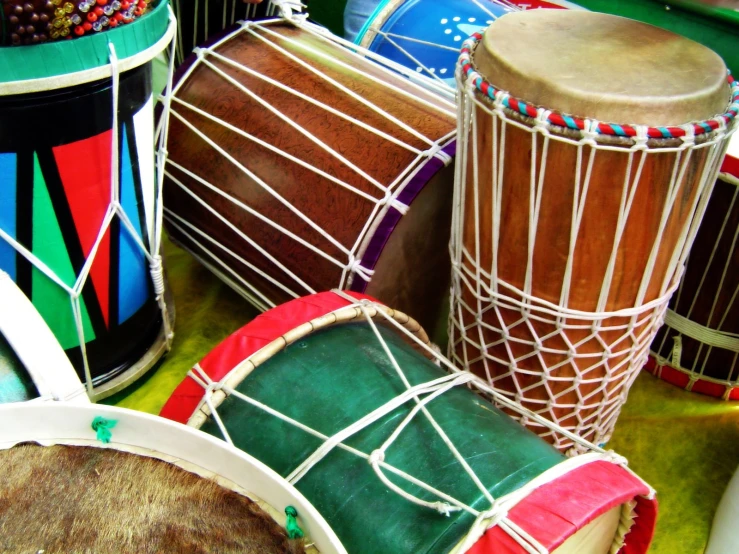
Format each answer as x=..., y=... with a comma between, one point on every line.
x=698, y=346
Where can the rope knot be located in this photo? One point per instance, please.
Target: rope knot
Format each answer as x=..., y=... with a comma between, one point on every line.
x=397, y=205
x=443, y=508
x=376, y=457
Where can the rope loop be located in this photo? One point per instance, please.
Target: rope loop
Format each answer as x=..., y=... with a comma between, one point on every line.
x=689, y=138
x=355, y=266
x=376, y=457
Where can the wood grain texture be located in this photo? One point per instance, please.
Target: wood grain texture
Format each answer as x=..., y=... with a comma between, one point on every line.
x=570, y=391
x=340, y=212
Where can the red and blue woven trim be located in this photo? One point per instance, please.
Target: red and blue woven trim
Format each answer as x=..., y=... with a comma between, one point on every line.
x=574, y=123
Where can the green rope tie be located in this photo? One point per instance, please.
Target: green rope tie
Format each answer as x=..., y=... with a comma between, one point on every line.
x=103, y=426
x=293, y=530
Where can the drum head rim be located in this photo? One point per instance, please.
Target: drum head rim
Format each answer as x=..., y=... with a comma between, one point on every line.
x=149, y=435
x=468, y=74
x=260, y=339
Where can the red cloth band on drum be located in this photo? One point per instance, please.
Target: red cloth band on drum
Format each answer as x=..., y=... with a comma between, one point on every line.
x=580, y=496
x=682, y=379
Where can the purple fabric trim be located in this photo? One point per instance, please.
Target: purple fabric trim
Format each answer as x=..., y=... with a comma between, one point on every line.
x=392, y=216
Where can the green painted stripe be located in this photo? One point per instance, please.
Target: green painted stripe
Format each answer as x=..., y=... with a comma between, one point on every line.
x=53, y=302
x=334, y=377
x=37, y=61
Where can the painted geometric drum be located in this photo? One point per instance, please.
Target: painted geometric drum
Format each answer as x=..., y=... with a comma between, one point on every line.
x=79, y=231
x=426, y=35
x=295, y=165
x=150, y=486
x=698, y=346
x=569, y=233
x=344, y=398
x=32, y=364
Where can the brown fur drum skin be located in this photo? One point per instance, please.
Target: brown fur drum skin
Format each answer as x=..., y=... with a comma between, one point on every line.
x=67, y=499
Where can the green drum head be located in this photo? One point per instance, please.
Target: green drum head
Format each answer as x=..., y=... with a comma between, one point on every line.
x=16, y=384
x=334, y=377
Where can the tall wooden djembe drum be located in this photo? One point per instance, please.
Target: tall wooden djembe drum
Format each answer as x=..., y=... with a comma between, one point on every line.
x=569, y=233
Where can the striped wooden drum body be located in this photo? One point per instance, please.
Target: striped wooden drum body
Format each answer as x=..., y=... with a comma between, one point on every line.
x=116, y=480
x=79, y=228
x=570, y=233
x=291, y=164
x=342, y=396
x=698, y=347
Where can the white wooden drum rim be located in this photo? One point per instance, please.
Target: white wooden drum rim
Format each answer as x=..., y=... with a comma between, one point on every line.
x=156, y=437
x=35, y=345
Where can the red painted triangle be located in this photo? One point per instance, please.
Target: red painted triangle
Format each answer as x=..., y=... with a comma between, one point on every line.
x=84, y=167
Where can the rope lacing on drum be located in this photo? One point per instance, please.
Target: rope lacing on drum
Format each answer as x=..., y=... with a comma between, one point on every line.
x=391, y=199
x=355, y=266
x=418, y=396
x=474, y=80
x=436, y=151
x=203, y=379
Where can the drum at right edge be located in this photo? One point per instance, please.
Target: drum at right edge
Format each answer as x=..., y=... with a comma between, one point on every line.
x=698, y=347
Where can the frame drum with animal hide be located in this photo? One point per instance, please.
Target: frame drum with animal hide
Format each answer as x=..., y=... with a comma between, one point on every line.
x=344, y=397
x=698, y=346
x=569, y=233
x=296, y=165
x=116, y=480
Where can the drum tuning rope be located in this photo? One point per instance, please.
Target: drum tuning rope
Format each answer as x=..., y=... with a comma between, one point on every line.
x=346, y=257
x=417, y=398
x=514, y=336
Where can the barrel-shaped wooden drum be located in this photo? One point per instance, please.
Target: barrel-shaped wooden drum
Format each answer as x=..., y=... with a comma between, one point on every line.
x=295, y=165
x=569, y=233
x=80, y=224
x=698, y=346
x=91, y=478
x=344, y=397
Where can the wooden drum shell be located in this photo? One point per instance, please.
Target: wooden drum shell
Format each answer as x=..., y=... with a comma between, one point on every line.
x=559, y=287
x=341, y=213
x=707, y=296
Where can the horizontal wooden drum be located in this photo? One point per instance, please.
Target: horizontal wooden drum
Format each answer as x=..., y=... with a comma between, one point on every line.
x=569, y=233
x=296, y=165
x=90, y=478
x=698, y=346
x=344, y=397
